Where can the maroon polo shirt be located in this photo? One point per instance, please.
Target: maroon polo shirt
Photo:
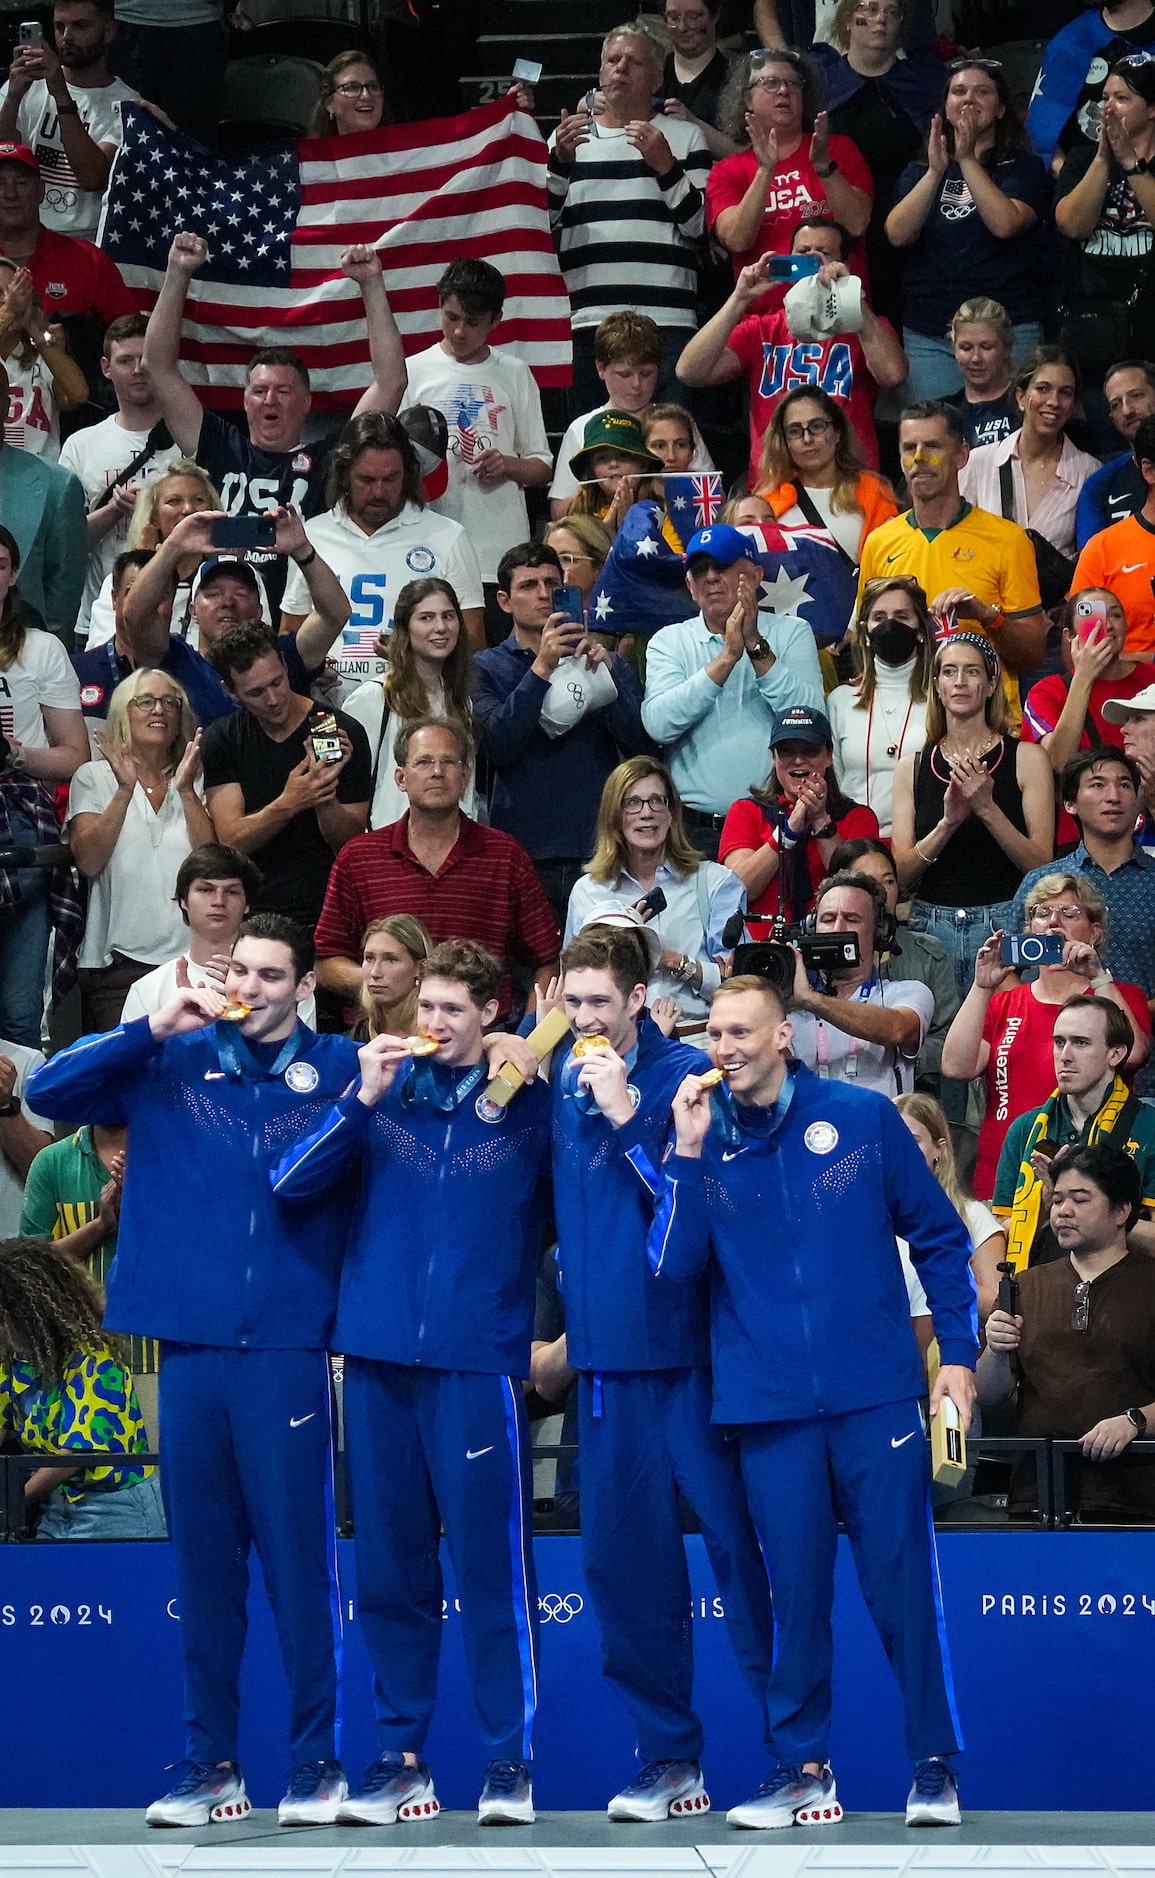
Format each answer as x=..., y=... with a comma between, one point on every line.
x=485, y=889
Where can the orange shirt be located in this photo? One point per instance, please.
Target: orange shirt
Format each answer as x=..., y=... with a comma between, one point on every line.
x=1122, y=559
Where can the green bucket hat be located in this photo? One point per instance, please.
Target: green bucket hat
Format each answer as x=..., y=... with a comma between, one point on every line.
x=613, y=430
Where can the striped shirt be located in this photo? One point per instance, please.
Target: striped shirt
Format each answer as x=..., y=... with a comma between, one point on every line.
x=485, y=889
x=625, y=236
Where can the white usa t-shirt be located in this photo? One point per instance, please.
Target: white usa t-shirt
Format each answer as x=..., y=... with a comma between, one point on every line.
x=11, y=1185
x=42, y=675
x=33, y=420
x=66, y=207
x=491, y=406
x=373, y=569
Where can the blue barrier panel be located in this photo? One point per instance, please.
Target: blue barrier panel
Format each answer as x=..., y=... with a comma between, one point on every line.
x=1052, y=1636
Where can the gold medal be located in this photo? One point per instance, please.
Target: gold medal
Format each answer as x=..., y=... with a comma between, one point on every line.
x=422, y=1046
x=584, y=1045
x=711, y=1078
x=235, y=1010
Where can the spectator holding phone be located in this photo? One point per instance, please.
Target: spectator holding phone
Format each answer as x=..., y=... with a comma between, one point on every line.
x=555, y=713
x=1004, y=1028
x=644, y=859
x=1064, y=711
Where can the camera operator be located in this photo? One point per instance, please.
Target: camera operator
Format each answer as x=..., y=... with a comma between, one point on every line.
x=863, y=1030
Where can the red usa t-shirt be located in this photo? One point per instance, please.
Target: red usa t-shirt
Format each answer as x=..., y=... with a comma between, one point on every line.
x=796, y=191
x=777, y=363
x=1021, y=1071
x=1043, y=708
x=746, y=826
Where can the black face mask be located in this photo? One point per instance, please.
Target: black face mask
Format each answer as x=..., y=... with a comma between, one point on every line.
x=893, y=641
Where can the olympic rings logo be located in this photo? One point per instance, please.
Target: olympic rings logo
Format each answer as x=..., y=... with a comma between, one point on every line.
x=558, y=1610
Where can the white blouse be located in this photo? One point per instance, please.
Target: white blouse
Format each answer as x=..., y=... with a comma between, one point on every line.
x=130, y=905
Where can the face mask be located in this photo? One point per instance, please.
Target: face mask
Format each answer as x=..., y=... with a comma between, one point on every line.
x=893, y=641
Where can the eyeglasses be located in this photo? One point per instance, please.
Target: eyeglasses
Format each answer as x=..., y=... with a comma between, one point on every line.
x=1137, y=58
x=775, y=84
x=427, y=763
x=146, y=702
x=1081, y=1315
x=350, y=90
x=1068, y=914
x=636, y=805
x=868, y=14
x=571, y=560
x=817, y=427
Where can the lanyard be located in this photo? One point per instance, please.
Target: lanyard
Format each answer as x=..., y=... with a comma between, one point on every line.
x=239, y=1063
x=853, y=1044
x=582, y=1098
x=424, y=1088
x=741, y=1126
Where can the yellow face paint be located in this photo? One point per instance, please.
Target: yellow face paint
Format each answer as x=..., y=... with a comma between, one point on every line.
x=922, y=453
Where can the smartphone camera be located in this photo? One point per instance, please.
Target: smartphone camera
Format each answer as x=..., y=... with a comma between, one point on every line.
x=568, y=601
x=324, y=737
x=1032, y=948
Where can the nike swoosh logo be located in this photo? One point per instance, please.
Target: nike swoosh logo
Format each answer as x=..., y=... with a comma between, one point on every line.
x=298, y=1421
x=475, y=1454
x=1134, y=567
x=731, y=1154
x=894, y=557
x=902, y=1443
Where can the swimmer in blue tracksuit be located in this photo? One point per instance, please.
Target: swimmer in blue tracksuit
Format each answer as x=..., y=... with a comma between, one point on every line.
x=791, y=1189
x=242, y=1293
x=435, y=1320
x=641, y=1350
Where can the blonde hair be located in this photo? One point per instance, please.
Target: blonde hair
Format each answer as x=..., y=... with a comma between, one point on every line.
x=926, y=1111
x=610, y=857
x=1091, y=901
x=118, y=725
x=409, y=933
x=982, y=311
x=996, y=711
x=589, y=530
x=144, y=522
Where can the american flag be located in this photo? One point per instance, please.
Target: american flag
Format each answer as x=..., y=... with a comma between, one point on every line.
x=276, y=224
x=468, y=441
x=359, y=642
x=693, y=502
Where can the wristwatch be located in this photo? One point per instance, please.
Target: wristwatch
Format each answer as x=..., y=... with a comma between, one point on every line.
x=824, y=834
x=825, y=175
x=1138, y=1421
x=1140, y=168
x=760, y=649
x=11, y=1107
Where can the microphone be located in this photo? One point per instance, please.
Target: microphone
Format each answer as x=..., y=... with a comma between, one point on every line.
x=732, y=931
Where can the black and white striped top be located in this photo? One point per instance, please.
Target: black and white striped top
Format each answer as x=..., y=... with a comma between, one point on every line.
x=625, y=236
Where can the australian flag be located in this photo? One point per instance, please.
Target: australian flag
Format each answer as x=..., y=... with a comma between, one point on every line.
x=693, y=502
x=642, y=586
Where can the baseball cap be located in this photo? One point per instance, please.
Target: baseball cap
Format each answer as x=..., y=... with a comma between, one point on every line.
x=722, y=543
x=800, y=724
x=19, y=153
x=1118, y=710
x=613, y=913
x=219, y=564
x=428, y=432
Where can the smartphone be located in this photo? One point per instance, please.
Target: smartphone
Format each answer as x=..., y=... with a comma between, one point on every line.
x=245, y=531
x=527, y=71
x=651, y=903
x=31, y=33
x=568, y=600
x=324, y=737
x=794, y=266
x=1033, y=948
x=1090, y=616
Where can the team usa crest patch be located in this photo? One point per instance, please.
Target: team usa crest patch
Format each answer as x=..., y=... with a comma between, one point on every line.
x=821, y=1137
x=302, y=1078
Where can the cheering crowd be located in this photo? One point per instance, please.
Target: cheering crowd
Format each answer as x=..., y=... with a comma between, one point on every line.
x=657, y=930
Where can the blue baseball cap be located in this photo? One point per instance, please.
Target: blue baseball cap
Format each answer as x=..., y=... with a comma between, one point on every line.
x=800, y=724
x=722, y=543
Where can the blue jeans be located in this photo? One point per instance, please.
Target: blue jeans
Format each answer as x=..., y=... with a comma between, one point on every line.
x=133, y=1513
x=933, y=372
x=961, y=929
x=24, y=935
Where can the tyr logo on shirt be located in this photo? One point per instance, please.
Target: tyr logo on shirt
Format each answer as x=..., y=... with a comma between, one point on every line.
x=826, y=363
x=791, y=192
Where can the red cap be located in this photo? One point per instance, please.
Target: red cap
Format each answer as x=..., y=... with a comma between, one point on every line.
x=19, y=153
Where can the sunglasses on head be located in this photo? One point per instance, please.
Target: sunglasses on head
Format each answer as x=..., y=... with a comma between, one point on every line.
x=980, y=65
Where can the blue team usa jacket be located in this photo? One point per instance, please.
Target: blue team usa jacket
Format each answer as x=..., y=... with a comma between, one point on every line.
x=616, y=1317
x=441, y=1264
x=797, y=1224
x=205, y=1252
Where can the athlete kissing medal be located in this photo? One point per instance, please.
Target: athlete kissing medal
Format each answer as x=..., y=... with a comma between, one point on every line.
x=235, y=1011
x=422, y=1046
x=711, y=1078
x=585, y=1045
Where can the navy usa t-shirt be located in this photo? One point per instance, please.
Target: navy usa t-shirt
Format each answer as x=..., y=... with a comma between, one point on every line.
x=956, y=257
x=252, y=481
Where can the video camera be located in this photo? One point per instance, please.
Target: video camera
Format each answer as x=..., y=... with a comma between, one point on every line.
x=772, y=958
